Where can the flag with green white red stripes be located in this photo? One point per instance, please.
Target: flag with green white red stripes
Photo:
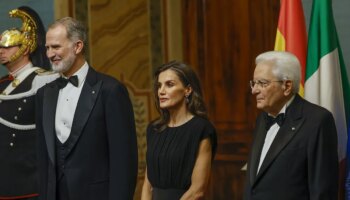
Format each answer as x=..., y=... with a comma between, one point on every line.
x=326, y=76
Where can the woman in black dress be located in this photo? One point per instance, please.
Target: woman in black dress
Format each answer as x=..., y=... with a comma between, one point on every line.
x=181, y=143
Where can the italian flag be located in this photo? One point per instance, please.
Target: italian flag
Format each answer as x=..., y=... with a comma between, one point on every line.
x=291, y=34
x=326, y=77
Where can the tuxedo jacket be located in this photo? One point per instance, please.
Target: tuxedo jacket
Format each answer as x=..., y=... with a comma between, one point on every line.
x=101, y=160
x=302, y=162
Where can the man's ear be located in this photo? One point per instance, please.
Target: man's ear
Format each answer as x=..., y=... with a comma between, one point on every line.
x=287, y=87
x=79, y=45
x=26, y=52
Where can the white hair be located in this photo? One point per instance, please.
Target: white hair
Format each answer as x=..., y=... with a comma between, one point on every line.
x=285, y=66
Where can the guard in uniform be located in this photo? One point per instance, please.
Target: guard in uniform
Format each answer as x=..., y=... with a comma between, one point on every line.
x=21, y=51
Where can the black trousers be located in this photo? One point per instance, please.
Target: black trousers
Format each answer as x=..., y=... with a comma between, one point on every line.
x=62, y=189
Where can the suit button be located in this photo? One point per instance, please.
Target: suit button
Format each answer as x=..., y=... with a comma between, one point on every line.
x=13, y=135
x=24, y=100
x=16, y=118
x=11, y=144
x=19, y=108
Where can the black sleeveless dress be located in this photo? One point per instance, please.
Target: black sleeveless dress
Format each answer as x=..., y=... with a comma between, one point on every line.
x=171, y=155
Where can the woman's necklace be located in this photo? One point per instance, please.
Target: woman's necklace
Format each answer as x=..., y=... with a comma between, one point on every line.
x=180, y=122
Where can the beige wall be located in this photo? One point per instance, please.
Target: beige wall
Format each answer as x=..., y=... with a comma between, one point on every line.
x=62, y=8
x=119, y=46
x=119, y=40
x=173, y=30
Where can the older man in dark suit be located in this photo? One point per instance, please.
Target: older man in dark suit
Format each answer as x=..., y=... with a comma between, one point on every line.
x=294, y=153
x=87, y=139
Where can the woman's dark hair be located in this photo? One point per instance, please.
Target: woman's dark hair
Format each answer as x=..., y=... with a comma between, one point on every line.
x=187, y=77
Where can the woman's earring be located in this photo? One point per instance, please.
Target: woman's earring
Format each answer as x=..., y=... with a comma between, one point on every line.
x=187, y=99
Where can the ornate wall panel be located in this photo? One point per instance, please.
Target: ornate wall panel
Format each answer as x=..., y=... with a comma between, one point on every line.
x=221, y=40
x=64, y=8
x=172, y=26
x=119, y=41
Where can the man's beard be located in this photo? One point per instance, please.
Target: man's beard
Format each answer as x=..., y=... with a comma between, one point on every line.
x=64, y=65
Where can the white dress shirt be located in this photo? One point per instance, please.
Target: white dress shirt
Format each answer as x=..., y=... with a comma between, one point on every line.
x=67, y=103
x=271, y=134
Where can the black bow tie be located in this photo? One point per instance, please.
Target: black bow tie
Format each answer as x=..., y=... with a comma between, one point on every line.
x=62, y=82
x=272, y=120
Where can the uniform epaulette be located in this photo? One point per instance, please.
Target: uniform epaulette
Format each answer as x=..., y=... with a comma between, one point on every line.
x=43, y=72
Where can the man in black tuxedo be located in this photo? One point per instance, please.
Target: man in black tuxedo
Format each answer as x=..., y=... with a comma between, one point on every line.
x=294, y=153
x=87, y=139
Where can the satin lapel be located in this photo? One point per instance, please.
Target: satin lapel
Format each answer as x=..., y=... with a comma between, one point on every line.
x=289, y=129
x=85, y=105
x=49, y=112
x=260, y=134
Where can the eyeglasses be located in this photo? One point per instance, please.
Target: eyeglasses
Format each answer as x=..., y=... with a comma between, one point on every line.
x=262, y=83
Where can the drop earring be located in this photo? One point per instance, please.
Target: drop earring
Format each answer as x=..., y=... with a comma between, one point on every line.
x=187, y=99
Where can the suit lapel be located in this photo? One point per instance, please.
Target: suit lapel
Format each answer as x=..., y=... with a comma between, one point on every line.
x=85, y=105
x=293, y=122
x=260, y=134
x=49, y=112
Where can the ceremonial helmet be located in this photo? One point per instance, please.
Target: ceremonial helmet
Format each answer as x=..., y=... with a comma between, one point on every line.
x=31, y=36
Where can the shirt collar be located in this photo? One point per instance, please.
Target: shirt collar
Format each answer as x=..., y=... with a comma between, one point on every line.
x=284, y=108
x=81, y=73
x=21, y=70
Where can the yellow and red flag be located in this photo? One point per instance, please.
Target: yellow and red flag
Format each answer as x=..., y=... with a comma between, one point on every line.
x=291, y=34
